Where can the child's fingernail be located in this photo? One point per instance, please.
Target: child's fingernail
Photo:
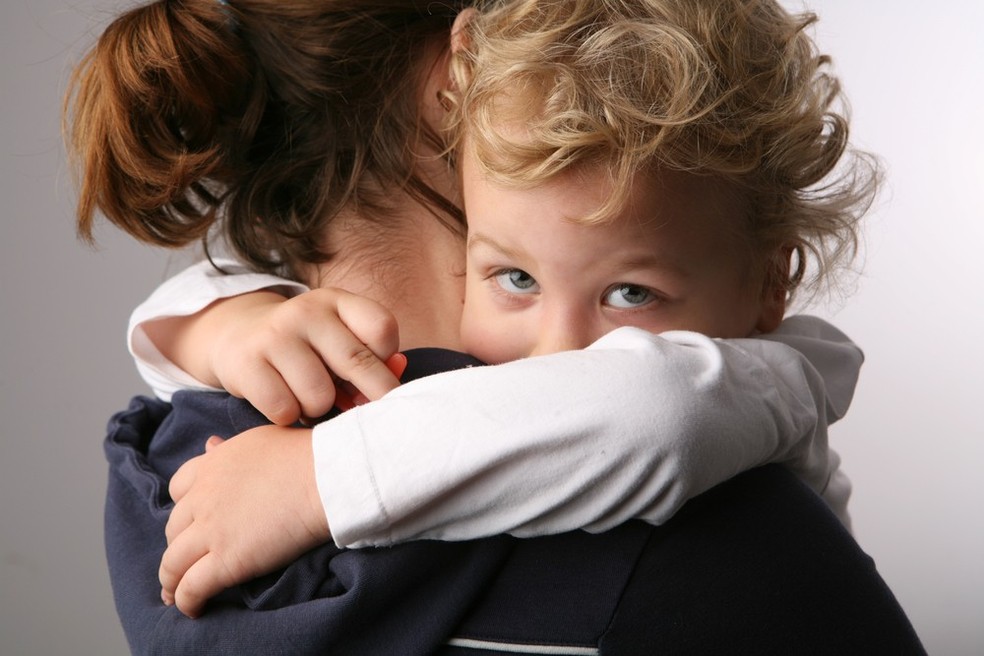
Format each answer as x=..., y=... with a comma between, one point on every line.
x=397, y=363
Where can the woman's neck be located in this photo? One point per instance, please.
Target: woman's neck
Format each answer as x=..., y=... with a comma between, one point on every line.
x=412, y=265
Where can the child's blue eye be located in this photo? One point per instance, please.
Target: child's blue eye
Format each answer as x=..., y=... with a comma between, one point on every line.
x=517, y=281
x=626, y=295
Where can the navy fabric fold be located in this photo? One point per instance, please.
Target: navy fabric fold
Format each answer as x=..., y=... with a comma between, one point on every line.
x=758, y=565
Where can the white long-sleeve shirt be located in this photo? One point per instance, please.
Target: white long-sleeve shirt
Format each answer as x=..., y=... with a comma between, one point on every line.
x=631, y=427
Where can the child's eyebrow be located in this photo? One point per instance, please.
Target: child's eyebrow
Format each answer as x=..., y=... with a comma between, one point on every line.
x=478, y=239
x=659, y=262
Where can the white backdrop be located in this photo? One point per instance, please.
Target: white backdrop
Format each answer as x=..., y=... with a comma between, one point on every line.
x=911, y=444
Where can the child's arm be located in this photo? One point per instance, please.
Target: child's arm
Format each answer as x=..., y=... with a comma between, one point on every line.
x=175, y=307
x=240, y=332
x=657, y=372
x=261, y=347
x=630, y=428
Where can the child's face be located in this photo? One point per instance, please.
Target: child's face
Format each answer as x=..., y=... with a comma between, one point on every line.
x=539, y=283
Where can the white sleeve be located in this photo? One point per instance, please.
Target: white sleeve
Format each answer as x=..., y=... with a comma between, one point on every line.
x=631, y=427
x=189, y=292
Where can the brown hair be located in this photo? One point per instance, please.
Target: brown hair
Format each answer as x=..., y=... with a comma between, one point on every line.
x=264, y=117
x=729, y=88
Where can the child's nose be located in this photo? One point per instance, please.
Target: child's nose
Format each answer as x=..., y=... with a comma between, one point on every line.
x=562, y=331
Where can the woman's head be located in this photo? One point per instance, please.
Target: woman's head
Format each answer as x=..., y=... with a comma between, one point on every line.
x=266, y=117
x=732, y=89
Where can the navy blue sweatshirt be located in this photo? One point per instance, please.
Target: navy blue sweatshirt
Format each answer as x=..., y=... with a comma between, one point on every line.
x=757, y=565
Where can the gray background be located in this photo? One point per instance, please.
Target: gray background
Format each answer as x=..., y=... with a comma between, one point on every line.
x=912, y=443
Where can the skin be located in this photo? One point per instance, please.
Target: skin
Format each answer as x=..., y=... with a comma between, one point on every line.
x=250, y=505
x=675, y=240
x=540, y=282
x=391, y=286
x=280, y=353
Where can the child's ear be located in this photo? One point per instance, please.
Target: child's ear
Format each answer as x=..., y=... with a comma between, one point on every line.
x=774, y=293
x=459, y=37
x=441, y=80
x=773, y=310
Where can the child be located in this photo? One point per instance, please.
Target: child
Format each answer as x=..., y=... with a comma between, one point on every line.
x=731, y=218
x=703, y=157
x=638, y=171
x=578, y=226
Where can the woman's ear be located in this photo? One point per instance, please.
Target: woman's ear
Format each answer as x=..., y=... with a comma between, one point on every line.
x=459, y=37
x=774, y=292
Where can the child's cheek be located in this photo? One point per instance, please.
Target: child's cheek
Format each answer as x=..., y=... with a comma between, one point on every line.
x=485, y=335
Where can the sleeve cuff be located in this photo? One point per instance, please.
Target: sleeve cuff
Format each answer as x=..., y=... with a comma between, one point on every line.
x=348, y=491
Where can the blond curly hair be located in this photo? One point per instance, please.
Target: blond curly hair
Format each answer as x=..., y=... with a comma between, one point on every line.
x=729, y=88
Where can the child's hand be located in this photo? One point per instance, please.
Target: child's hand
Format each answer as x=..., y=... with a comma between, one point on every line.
x=229, y=522
x=289, y=358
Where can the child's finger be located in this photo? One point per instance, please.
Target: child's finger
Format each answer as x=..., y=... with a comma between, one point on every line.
x=269, y=393
x=185, y=550
x=397, y=363
x=346, y=395
x=306, y=377
x=183, y=479
x=212, y=442
x=178, y=521
x=371, y=323
x=355, y=348
x=366, y=372
x=205, y=578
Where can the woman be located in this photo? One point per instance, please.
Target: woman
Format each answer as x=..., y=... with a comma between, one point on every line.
x=253, y=142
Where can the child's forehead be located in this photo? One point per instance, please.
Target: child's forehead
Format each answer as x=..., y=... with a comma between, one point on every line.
x=672, y=216
x=653, y=195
